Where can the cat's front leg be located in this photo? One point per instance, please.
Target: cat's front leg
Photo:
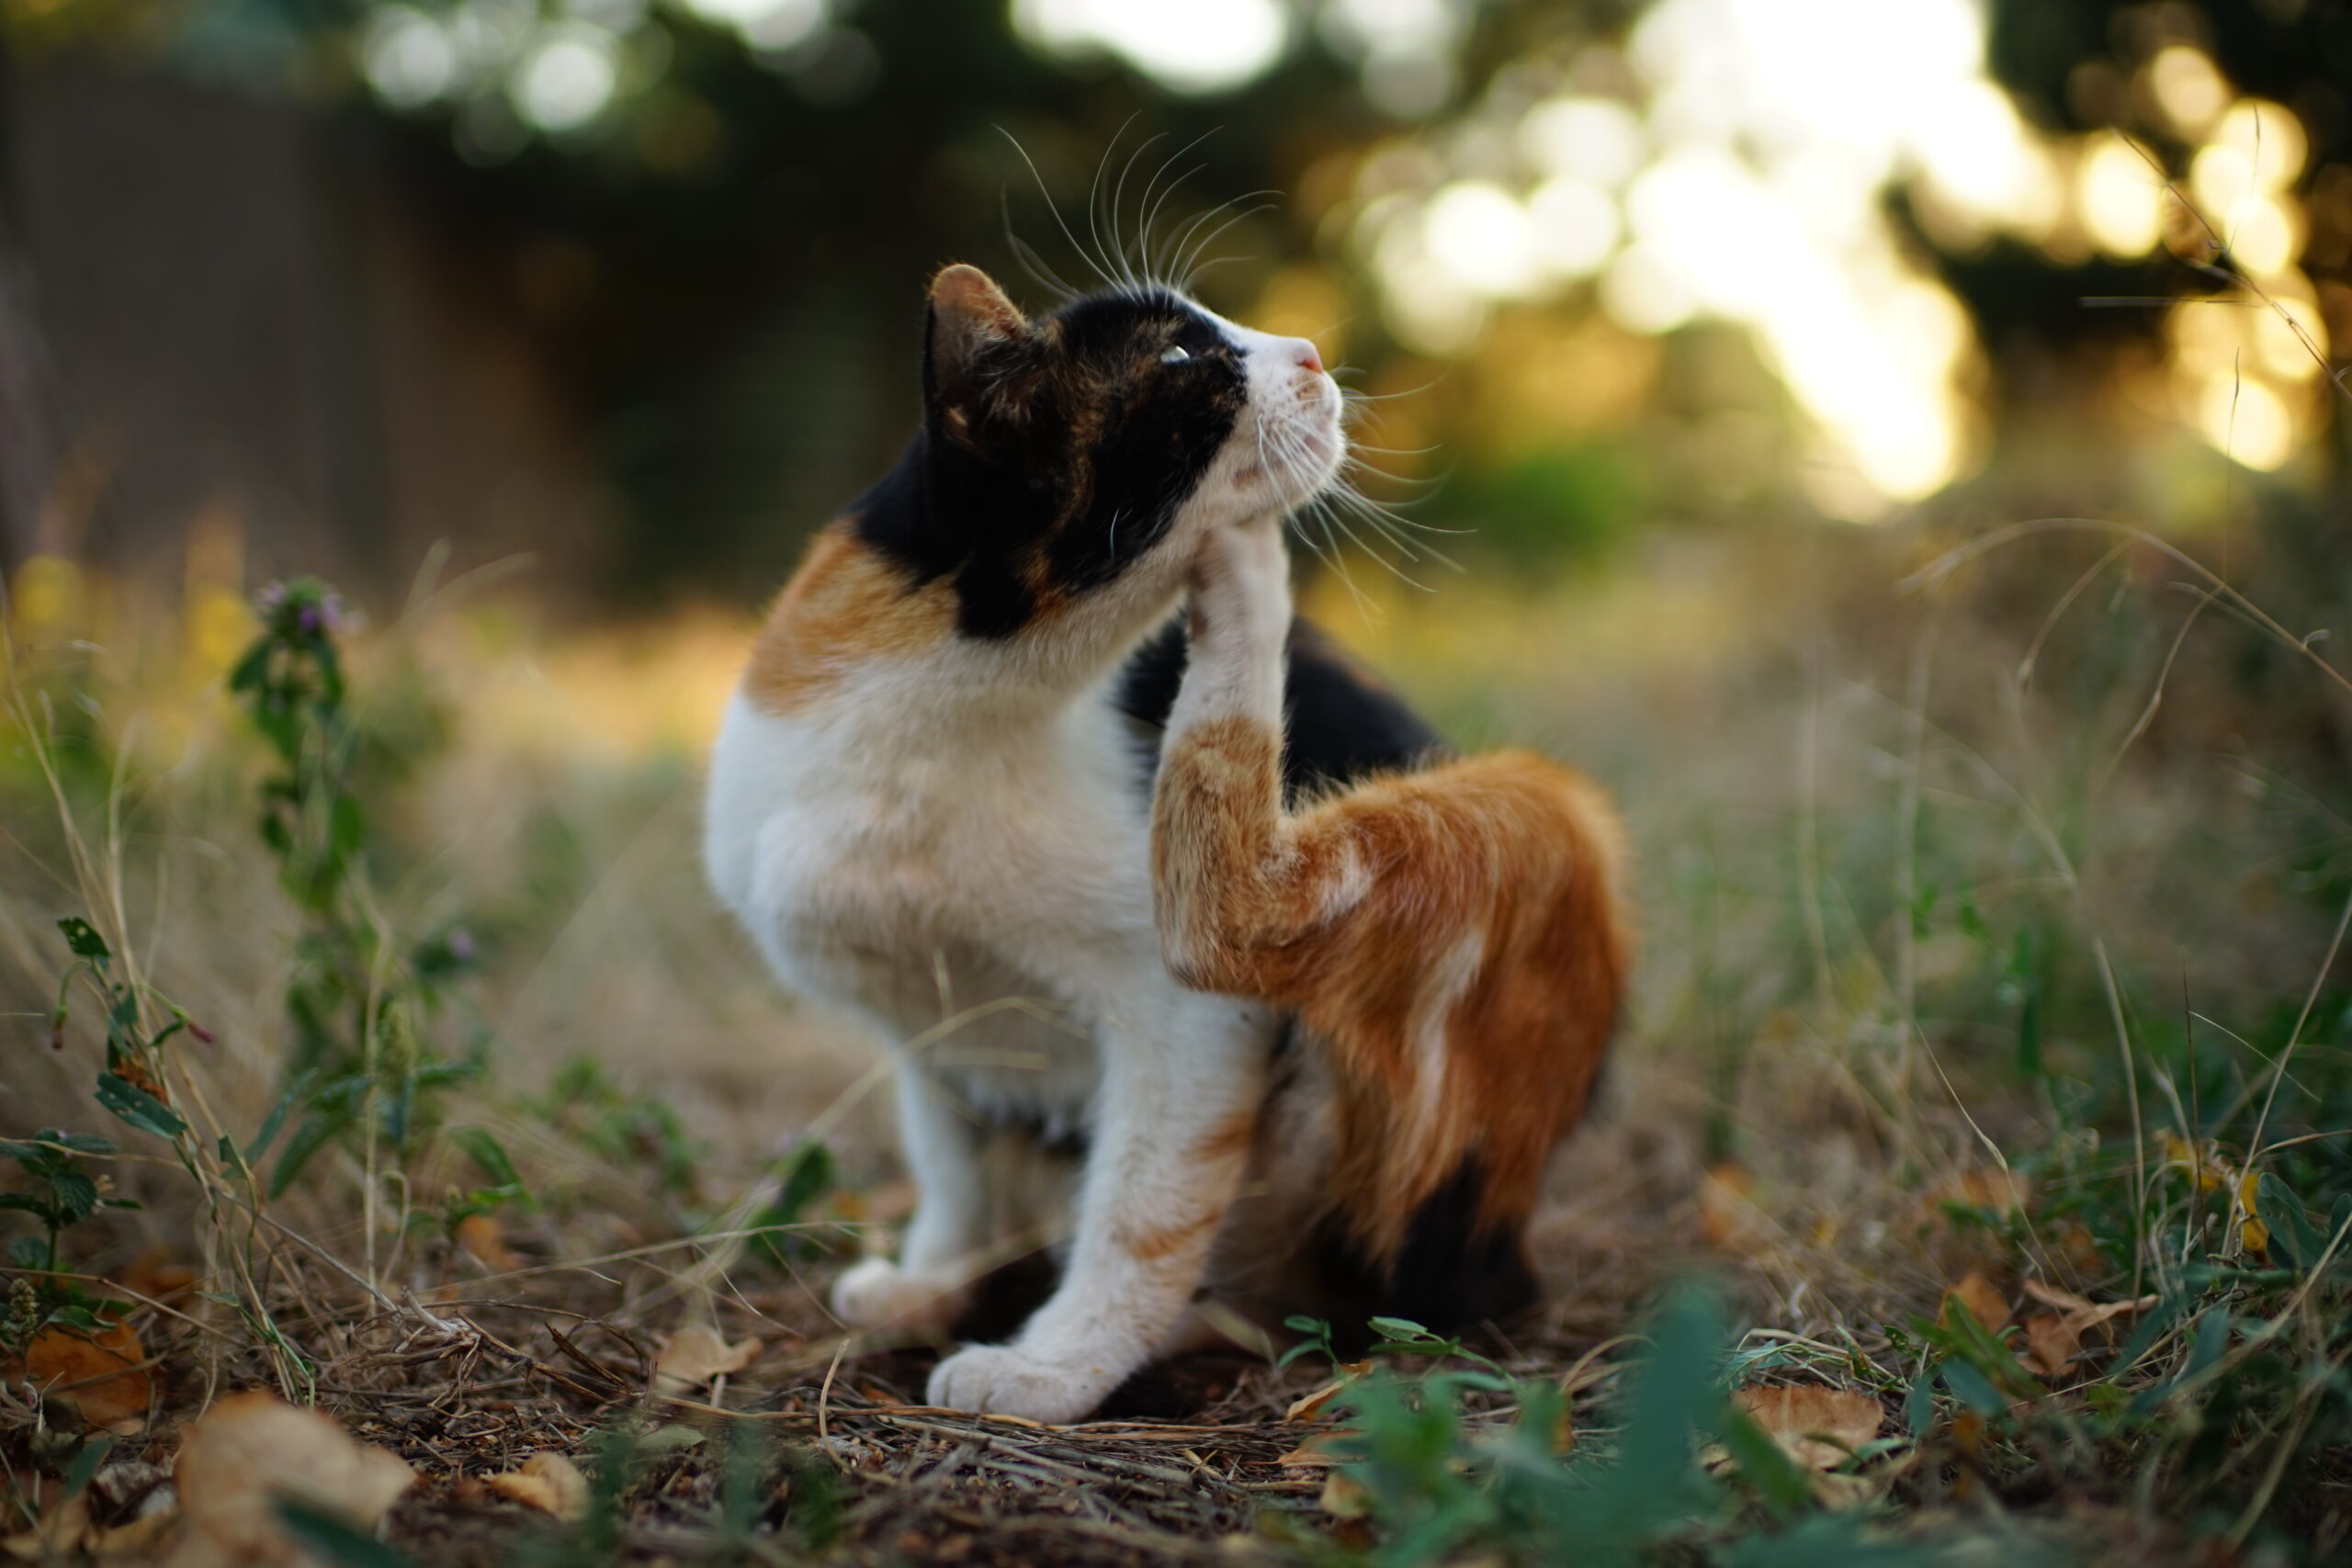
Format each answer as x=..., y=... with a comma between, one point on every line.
x=1183, y=1080
x=941, y=1253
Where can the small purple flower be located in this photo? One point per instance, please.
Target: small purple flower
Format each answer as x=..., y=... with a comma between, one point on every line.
x=460, y=943
x=331, y=610
x=308, y=618
x=269, y=599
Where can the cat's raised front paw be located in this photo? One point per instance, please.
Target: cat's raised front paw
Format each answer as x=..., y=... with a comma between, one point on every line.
x=1007, y=1381
x=878, y=1294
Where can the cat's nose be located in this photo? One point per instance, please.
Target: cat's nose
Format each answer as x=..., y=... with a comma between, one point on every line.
x=1307, y=358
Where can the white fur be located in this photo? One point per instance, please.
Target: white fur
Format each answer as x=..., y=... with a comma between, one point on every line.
x=953, y=847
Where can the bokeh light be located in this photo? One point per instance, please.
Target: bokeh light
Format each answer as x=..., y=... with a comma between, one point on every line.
x=1201, y=46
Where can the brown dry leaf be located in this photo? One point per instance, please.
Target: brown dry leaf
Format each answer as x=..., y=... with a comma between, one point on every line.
x=137, y=1539
x=1726, y=1218
x=1980, y=1299
x=2057, y=1296
x=2091, y=1317
x=156, y=1277
x=887, y=1204
x=99, y=1375
x=1308, y=1406
x=480, y=1234
x=547, y=1482
x=1817, y=1425
x=59, y=1535
x=694, y=1355
x=1342, y=1497
x=1316, y=1452
x=1999, y=1190
x=2051, y=1342
x=250, y=1451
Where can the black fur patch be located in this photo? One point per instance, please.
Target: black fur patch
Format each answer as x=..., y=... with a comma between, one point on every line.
x=1339, y=725
x=1072, y=466
x=1450, y=1273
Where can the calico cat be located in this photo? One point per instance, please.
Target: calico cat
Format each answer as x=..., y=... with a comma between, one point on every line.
x=1307, y=1061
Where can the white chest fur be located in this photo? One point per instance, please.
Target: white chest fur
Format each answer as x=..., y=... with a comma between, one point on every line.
x=979, y=883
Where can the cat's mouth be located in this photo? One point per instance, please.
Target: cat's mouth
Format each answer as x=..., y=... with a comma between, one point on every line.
x=1302, y=444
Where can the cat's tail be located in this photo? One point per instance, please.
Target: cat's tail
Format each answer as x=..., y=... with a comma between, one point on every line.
x=1470, y=1017
x=1455, y=939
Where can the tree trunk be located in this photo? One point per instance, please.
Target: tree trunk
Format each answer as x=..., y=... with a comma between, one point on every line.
x=28, y=443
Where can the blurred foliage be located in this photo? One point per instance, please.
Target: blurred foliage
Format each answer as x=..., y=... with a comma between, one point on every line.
x=720, y=256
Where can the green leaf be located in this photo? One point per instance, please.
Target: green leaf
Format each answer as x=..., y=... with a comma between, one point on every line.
x=1972, y=1388
x=23, y=1204
x=276, y=1117
x=2028, y=970
x=28, y=1252
x=83, y=1142
x=309, y=1138
x=487, y=1152
x=1919, y=1404
x=77, y=1195
x=251, y=669
x=810, y=1178
x=1765, y=1463
x=139, y=1107
x=2291, y=1235
x=84, y=939
x=1669, y=1392
x=335, y=1539
x=85, y=1464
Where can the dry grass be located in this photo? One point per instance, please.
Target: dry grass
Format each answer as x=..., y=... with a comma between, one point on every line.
x=1817, y=1066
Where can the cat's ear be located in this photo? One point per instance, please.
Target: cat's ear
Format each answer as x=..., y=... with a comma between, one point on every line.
x=973, y=341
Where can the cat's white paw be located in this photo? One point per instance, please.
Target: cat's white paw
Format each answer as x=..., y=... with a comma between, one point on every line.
x=1007, y=1381
x=878, y=1294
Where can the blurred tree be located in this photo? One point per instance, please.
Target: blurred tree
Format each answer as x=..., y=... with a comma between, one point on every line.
x=26, y=443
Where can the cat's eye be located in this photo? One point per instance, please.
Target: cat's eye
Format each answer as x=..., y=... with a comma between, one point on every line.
x=1175, y=354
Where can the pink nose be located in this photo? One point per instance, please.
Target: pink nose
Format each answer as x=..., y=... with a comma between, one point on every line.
x=1308, y=358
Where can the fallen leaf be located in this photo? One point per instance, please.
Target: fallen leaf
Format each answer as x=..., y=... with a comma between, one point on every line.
x=1344, y=1498
x=1817, y=1427
x=2057, y=1296
x=250, y=1451
x=1316, y=1452
x=2051, y=1342
x=2081, y=1313
x=694, y=1355
x=100, y=1374
x=2092, y=1316
x=1726, y=1218
x=157, y=1278
x=1999, y=1190
x=138, y=1539
x=59, y=1535
x=480, y=1234
x=547, y=1482
x=668, y=1440
x=1978, y=1296
x=1308, y=1406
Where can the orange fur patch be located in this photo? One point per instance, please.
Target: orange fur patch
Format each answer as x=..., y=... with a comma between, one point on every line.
x=1454, y=937
x=845, y=606
x=1229, y=1140
x=1163, y=1241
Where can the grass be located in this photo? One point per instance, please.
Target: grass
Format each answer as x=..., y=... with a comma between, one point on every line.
x=1990, y=1067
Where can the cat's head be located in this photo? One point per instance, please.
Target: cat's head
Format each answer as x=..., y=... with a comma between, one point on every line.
x=1092, y=447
